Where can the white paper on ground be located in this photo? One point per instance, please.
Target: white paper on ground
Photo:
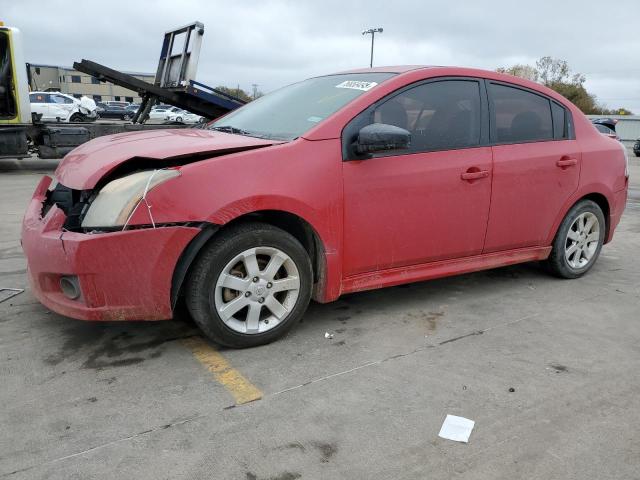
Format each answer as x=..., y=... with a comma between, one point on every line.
x=457, y=429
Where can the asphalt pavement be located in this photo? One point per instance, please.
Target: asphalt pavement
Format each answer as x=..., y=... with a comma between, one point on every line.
x=547, y=369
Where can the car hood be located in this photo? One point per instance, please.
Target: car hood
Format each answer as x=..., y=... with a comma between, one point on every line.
x=82, y=168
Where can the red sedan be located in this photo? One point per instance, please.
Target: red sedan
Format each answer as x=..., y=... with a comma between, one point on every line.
x=335, y=184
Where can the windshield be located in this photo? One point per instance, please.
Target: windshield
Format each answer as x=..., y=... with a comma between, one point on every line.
x=289, y=112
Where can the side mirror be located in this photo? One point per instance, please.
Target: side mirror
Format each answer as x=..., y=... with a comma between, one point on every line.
x=380, y=137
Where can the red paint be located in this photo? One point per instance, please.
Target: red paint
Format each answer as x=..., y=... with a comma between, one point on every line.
x=393, y=209
x=381, y=222
x=444, y=268
x=82, y=168
x=123, y=275
x=528, y=188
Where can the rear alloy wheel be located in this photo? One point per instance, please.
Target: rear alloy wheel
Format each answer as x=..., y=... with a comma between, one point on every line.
x=75, y=118
x=578, y=241
x=250, y=285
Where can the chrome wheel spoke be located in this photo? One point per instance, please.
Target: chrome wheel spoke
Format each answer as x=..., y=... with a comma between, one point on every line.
x=593, y=237
x=250, y=261
x=229, y=309
x=274, y=265
x=577, y=256
x=253, y=318
x=573, y=235
x=234, y=283
x=285, y=284
x=278, y=310
x=590, y=222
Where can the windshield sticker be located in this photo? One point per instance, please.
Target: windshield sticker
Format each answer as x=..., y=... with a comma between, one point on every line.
x=314, y=119
x=357, y=85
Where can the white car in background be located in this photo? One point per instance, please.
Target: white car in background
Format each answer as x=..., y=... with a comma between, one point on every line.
x=183, y=116
x=60, y=107
x=174, y=114
x=161, y=113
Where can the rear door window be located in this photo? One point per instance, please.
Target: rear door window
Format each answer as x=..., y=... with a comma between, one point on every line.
x=60, y=99
x=519, y=116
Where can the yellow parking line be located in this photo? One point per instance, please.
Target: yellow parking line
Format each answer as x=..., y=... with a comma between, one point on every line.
x=241, y=388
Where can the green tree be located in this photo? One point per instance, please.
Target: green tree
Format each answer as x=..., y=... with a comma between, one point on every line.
x=522, y=71
x=557, y=75
x=236, y=92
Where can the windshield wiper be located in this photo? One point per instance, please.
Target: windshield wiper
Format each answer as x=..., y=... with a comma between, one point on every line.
x=230, y=129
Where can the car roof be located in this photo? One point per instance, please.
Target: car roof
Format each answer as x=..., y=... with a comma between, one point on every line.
x=48, y=93
x=452, y=70
x=386, y=69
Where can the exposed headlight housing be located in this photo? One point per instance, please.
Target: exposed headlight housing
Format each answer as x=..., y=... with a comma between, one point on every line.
x=118, y=199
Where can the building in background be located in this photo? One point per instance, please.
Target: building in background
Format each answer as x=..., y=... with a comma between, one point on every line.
x=70, y=81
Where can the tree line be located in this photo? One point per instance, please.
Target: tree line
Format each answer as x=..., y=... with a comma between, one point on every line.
x=551, y=72
x=557, y=75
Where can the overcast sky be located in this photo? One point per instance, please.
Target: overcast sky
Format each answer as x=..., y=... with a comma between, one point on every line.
x=273, y=43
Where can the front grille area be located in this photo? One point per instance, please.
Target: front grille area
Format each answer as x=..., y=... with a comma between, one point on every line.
x=72, y=202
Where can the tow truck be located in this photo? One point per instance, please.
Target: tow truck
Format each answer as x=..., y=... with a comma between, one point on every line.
x=23, y=133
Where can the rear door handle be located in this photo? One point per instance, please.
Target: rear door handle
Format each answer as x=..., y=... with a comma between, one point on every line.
x=471, y=175
x=567, y=162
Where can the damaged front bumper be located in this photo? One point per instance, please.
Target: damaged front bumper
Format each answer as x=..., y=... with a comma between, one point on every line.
x=124, y=275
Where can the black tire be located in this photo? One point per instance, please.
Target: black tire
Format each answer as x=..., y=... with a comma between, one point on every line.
x=179, y=119
x=557, y=263
x=126, y=117
x=76, y=118
x=637, y=154
x=212, y=260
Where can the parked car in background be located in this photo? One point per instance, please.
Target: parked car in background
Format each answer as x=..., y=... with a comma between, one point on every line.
x=636, y=148
x=183, y=116
x=133, y=107
x=336, y=184
x=116, y=103
x=114, y=111
x=603, y=129
x=159, y=114
x=60, y=107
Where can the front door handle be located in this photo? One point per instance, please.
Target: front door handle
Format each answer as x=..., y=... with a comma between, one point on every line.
x=565, y=162
x=474, y=174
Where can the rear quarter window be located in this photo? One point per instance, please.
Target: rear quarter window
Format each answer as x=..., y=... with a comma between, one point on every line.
x=560, y=121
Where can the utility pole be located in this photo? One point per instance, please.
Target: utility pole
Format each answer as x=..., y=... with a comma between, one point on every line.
x=373, y=32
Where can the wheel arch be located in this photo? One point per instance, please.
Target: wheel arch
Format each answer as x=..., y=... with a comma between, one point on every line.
x=292, y=223
x=596, y=196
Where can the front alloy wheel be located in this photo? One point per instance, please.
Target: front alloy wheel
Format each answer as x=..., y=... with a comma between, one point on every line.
x=257, y=290
x=249, y=285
